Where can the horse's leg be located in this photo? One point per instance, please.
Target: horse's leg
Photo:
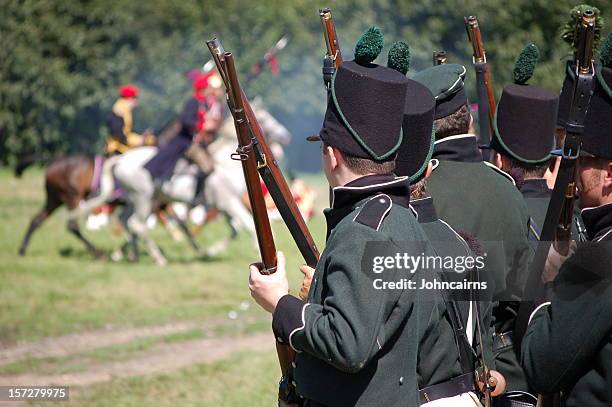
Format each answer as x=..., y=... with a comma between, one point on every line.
x=185, y=229
x=143, y=205
x=73, y=225
x=51, y=205
x=233, y=229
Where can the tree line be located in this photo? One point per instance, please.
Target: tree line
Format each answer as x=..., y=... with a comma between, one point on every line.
x=61, y=62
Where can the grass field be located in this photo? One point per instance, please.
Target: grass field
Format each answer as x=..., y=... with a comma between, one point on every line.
x=109, y=314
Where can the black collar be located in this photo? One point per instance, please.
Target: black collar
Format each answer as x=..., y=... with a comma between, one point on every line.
x=462, y=148
x=598, y=222
x=425, y=209
x=345, y=198
x=535, y=188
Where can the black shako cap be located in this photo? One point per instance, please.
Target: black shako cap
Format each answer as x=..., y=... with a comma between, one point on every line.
x=597, y=136
x=365, y=111
x=525, y=123
x=417, y=145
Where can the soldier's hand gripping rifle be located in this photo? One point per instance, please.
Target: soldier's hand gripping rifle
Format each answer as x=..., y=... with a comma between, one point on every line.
x=439, y=57
x=333, y=57
x=484, y=86
x=257, y=160
x=557, y=222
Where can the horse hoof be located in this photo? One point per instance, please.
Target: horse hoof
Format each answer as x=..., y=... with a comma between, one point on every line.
x=116, y=255
x=99, y=254
x=22, y=252
x=162, y=262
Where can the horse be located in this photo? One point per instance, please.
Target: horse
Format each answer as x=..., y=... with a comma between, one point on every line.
x=67, y=182
x=224, y=188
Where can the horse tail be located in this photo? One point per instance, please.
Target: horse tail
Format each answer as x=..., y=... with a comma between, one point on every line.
x=26, y=161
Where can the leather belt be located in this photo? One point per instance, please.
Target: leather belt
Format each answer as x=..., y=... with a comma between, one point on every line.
x=453, y=387
x=502, y=340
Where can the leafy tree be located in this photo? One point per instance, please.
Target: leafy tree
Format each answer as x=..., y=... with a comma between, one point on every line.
x=61, y=62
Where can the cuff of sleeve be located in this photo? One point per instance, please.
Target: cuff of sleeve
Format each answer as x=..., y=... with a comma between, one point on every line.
x=288, y=317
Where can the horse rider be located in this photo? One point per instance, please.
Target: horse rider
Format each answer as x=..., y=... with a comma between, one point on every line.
x=207, y=91
x=200, y=118
x=119, y=122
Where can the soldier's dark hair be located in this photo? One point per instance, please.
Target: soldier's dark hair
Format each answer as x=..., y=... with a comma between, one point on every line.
x=527, y=171
x=453, y=124
x=418, y=190
x=364, y=166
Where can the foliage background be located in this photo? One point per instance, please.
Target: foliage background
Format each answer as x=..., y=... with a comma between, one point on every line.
x=61, y=61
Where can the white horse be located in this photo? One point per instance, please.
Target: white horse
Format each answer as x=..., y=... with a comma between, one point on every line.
x=224, y=188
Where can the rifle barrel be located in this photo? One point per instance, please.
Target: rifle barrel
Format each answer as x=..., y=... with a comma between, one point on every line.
x=331, y=39
x=249, y=166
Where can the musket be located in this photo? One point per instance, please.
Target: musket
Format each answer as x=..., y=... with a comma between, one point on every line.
x=246, y=154
x=333, y=56
x=268, y=168
x=257, y=160
x=563, y=191
x=563, y=233
x=484, y=86
x=439, y=57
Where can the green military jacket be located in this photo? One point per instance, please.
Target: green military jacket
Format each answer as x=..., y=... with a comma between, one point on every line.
x=356, y=345
x=439, y=359
x=477, y=198
x=568, y=345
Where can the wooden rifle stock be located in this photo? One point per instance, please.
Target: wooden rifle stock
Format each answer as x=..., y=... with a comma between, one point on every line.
x=331, y=39
x=333, y=56
x=563, y=234
x=484, y=86
x=246, y=154
x=439, y=58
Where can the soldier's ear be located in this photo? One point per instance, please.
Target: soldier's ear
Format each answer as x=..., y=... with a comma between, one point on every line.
x=607, y=178
x=498, y=160
x=428, y=170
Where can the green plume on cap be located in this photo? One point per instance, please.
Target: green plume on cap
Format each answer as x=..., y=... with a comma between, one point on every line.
x=399, y=57
x=606, y=52
x=369, y=46
x=525, y=64
x=569, y=29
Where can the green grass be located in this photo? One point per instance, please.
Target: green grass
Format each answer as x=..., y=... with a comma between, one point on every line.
x=58, y=288
x=245, y=379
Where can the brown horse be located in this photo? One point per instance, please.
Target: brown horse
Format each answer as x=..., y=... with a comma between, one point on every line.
x=67, y=182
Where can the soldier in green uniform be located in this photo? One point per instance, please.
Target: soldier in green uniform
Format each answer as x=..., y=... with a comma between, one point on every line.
x=447, y=354
x=568, y=345
x=478, y=198
x=356, y=345
x=524, y=136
